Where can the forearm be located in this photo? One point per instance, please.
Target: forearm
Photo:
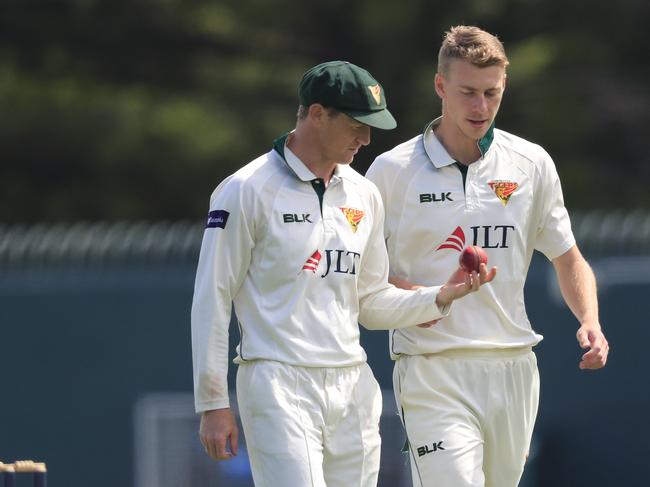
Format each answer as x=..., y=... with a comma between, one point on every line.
x=402, y=283
x=210, y=361
x=210, y=318
x=390, y=308
x=578, y=286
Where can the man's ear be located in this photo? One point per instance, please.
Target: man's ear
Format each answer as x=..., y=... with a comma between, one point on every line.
x=316, y=113
x=439, y=83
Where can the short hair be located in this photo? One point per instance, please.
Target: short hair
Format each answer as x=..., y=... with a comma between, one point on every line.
x=302, y=112
x=471, y=44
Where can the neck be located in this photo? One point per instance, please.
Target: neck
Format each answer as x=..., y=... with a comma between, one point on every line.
x=462, y=148
x=308, y=151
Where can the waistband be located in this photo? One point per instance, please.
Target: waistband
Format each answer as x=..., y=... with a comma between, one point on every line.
x=481, y=353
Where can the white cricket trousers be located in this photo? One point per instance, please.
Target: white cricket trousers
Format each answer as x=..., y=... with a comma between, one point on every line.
x=310, y=426
x=468, y=415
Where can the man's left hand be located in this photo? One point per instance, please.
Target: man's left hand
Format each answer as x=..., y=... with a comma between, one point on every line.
x=592, y=339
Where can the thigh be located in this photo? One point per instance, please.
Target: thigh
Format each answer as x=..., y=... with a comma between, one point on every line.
x=441, y=423
x=509, y=427
x=282, y=422
x=352, y=442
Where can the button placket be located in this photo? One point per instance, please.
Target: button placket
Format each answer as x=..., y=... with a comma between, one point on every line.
x=329, y=218
x=471, y=191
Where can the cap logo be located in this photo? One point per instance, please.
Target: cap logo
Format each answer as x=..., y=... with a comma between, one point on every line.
x=503, y=190
x=375, y=91
x=353, y=217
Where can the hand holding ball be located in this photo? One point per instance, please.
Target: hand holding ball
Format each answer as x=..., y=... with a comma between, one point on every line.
x=463, y=281
x=471, y=258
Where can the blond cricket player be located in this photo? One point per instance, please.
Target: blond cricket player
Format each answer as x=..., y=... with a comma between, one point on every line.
x=467, y=387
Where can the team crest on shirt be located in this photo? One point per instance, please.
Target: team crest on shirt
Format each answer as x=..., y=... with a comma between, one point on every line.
x=353, y=216
x=375, y=91
x=503, y=189
x=455, y=241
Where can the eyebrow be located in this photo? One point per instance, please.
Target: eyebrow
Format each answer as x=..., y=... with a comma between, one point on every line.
x=471, y=88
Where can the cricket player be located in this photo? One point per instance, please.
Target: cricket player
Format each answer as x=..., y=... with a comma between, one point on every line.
x=467, y=388
x=295, y=240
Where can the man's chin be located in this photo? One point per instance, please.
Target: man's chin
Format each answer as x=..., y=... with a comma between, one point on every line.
x=347, y=160
x=477, y=133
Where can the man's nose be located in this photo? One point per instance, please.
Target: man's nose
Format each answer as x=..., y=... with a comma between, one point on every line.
x=364, y=136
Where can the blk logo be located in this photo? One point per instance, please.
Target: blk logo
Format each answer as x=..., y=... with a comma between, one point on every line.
x=294, y=218
x=486, y=236
x=426, y=449
x=435, y=197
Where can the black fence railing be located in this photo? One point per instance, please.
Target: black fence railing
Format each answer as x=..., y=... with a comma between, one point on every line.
x=105, y=243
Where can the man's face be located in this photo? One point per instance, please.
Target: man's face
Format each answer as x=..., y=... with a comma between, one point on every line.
x=342, y=137
x=471, y=96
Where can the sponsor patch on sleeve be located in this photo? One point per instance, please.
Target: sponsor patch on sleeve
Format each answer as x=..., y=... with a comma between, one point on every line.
x=217, y=219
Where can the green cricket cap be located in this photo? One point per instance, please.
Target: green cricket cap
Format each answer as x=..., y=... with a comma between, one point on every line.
x=348, y=88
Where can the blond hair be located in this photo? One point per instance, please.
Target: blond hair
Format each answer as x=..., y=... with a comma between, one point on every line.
x=471, y=44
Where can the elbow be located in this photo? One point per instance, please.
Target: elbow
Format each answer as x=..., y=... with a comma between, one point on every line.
x=375, y=321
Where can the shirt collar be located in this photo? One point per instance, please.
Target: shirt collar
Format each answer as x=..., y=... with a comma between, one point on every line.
x=439, y=155
x=434, y=149
x=298, y=167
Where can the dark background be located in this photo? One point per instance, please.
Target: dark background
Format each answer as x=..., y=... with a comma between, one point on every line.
x=133, y=111
x=136, y=109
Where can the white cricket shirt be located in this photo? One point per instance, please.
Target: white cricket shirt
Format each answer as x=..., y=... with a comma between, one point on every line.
x=510, y=204
x=302, y=264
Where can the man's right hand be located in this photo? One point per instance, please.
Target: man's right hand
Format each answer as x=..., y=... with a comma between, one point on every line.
x=461, y=283
x=218, y=429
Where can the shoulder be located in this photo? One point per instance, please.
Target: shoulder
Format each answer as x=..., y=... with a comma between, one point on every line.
x=363, y=190
x=516, y=145
x=362, y=184
x=249, y=177
x=528, y=157
x=405, y=157
x=401, y=155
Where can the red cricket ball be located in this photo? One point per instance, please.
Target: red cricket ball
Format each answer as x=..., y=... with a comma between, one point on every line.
x=471, y=257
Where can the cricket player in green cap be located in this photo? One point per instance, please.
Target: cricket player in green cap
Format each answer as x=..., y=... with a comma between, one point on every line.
x=295, y=240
